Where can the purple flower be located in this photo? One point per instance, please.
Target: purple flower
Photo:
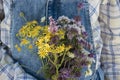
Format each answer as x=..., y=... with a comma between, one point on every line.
x=77, y=18
x=54, y=39
x=84, y=43
x=84, y=34
x=84, y=62
x=78, y=54
x=63, y=20
x=91, y=55
x=53, y=27
x=80, y=5
x=65, y=73
x=72, y=31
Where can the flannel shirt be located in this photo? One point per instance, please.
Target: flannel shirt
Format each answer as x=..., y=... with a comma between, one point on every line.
x=94, y=13
x=10, y=70
x=110, y=27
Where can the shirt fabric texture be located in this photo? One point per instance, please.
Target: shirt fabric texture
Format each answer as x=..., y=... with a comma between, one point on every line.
x=93, y=14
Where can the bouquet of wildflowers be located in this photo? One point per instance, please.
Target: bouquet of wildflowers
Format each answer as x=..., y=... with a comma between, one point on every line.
x=62, y=46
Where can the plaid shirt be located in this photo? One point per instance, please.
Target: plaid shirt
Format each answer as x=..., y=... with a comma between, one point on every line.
x=5, y=33
x=94, y=13
x=110, y=27
x=10, y=70
x=109, y=13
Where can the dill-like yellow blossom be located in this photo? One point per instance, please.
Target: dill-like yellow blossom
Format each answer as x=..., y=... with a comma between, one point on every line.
x=22, y=32
x=30, y=46
x=43, y=50
x=67, y=48
x=37, y=28
x=61, y=48
x=18, y=48
x=31, y=22
x=58, y=49
x=42, y=54
x=24, y=42
x=39, y=42
x=61, y=33
x=34, y=33
x=47, y=38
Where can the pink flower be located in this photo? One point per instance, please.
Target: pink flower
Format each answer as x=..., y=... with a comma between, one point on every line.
x=77, y=20
x=80, y=5
x=53, y=27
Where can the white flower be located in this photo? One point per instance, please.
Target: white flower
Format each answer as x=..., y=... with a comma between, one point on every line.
x=43, y=19
x=88, y=72
x=63, y=18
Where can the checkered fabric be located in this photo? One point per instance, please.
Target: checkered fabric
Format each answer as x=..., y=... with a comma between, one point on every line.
x=110, y=27
x=10, y=70
x=5, y=24
x=94, y=13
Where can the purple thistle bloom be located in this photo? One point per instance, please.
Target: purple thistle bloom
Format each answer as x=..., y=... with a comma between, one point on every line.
x=64, y=73
x=84, y=34
x=83, y=63
x=84, y=43
x=53, y=27
x=78, y=54
x=54, y=39
x=80, y=5
x=91, y=55
x=72, y=31
x=77, y=18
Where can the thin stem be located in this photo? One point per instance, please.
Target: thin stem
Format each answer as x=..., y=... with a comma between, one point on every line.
x=51, y=61
x=63, y=58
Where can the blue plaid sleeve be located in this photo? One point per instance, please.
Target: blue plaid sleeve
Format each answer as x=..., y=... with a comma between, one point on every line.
x=110, y=28
x=6, y=23
x=94, y=13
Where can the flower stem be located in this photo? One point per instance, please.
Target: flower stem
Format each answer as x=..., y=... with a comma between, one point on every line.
x=63, y=58
x=51, y=61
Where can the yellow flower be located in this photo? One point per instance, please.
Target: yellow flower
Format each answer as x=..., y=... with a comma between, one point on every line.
x=47, y=38
x=37, y=28
x=68, y=48
x=24, y=42
x=39, y=42
x=61, y=48
x=32, y=22
x=22, y=32
x=30, y=46
x=43, y=50
x=34, y=33
x=58, y=49
x=61, y=33
x=42, y=54
x=18, y=48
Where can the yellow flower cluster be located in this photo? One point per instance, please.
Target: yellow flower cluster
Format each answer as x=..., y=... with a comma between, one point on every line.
x=61, y=33
x=18, y=48
x=24, y=42
x=31, y=30
x=43, y=36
